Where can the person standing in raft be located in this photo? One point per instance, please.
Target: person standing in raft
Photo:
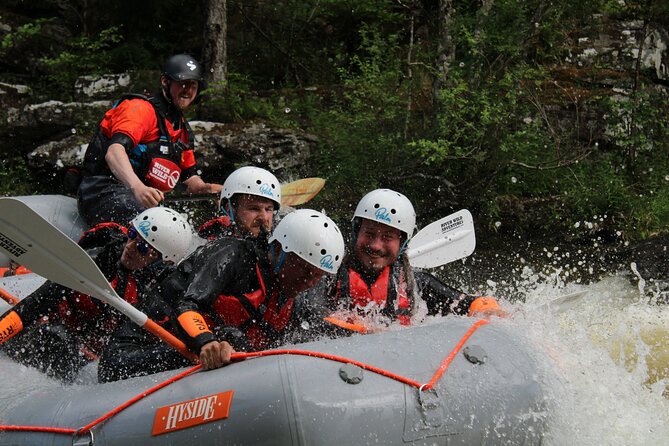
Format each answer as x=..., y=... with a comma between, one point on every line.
x=143, y=147
x=58, y=330
x=250, y=199
x=242, y=286
x=376, y=284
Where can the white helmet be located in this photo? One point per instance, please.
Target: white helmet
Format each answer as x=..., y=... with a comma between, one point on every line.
x=390, y=208
x=253, y=181
x=312, y=236
x=167, y=231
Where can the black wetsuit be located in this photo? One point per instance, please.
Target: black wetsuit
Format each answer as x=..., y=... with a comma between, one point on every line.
x=61, y=327
x=222, y=266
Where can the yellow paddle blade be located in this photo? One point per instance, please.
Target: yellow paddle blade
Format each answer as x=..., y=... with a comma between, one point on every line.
x=300, y=191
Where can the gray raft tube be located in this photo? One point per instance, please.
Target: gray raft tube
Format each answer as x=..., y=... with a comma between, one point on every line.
x=490, y=394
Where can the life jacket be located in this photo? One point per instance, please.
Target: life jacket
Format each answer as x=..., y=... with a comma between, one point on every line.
x=217, y=227
x=157, y=163
x=261, y=315
x=78, y=309
x=383, y=293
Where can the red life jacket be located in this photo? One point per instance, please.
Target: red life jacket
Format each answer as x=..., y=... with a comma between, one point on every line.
x=78, y=307
x=218, y=227
x=260, y=316
x=382, y=294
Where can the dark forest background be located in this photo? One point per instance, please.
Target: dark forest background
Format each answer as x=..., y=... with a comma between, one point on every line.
x=488, y=105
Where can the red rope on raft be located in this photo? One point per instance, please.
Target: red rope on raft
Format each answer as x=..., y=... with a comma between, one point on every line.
x=56, y=430
x=132, y=401
x=239, y=356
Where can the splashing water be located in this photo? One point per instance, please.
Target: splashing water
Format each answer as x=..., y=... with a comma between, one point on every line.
x=610, y=354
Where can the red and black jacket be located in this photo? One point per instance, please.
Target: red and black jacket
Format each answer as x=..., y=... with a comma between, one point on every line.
x=229, y=283
x=158, y=140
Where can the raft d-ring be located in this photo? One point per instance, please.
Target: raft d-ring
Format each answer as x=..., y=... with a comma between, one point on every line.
x=428, y=399
x=82, y=440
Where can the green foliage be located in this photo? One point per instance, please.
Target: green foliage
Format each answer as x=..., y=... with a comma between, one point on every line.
x=15, y=178
x=23, y=34
x=83, y=56
x=362, y=130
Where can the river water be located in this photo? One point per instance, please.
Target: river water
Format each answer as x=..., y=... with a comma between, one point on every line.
x=609, y=349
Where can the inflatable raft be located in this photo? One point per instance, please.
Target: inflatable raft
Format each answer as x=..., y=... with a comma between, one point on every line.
x=454, y=381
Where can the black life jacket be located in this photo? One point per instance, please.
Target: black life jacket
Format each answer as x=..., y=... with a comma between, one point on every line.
x=157, y=163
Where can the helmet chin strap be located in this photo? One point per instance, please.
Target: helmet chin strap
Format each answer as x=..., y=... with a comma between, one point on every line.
x=167, y=91
x=277, y=263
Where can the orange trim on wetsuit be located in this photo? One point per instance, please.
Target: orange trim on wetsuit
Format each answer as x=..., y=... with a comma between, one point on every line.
x=362, y=295
x=10, y=325
x=483, y=304
x=193, y=323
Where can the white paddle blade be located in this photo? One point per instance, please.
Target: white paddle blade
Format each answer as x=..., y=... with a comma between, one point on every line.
x=443, y=241
x=32, y=241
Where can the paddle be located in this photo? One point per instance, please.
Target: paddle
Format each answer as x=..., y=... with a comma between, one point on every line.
x=32, y=241
x=300, y=191
x=294, y=193
x=443, y=241
x=561, y=303
x=8, y=297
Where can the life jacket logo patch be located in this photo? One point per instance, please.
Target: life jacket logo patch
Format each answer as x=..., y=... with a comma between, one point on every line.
x=163, y=174
x=185, y=414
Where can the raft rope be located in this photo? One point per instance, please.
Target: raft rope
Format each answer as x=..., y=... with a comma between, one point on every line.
x=240, y=356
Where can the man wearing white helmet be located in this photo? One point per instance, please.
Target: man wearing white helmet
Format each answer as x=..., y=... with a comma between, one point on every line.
x=241, y=286
x=250, y=199
x=133, y=259
x=375, y=278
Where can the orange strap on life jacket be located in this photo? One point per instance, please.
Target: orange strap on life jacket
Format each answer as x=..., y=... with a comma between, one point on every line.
x=483, y=304
x=193, y=323
x=7, y=272
x=10, y=325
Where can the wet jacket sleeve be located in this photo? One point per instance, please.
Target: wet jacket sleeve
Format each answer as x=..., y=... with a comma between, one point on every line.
x=132, y=351
x=43, y=302
x=441, y=298
x=311, y=308
x=199, y=281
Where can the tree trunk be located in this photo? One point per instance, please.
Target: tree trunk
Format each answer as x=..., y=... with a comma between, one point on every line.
x=215, y=57
x=445, y=46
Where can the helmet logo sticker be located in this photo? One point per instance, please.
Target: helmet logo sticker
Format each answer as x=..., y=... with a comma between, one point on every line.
x=326, y=262
x=266, y=189
x=190, y=64
x=144, y=226
x=381, y=214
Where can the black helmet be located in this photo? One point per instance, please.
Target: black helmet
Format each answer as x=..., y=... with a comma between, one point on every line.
x=181, y=67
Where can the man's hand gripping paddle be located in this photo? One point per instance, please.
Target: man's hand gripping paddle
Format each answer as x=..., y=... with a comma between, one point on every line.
x=32, y=241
